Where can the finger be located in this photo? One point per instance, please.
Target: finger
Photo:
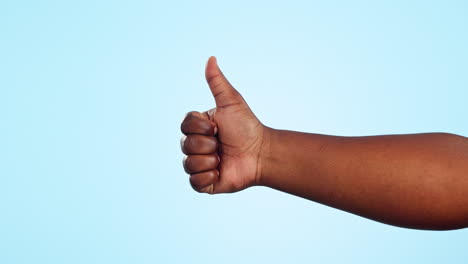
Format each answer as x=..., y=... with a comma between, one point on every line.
x=223, y=92
x=202, y=181
x=197, y=123
x=208, y=189
x=198, y=144
x=199, y=163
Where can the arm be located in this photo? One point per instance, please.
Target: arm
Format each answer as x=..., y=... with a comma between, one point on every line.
x=415, y=181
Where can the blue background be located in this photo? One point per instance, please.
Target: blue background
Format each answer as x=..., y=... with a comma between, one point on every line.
x=92, y=94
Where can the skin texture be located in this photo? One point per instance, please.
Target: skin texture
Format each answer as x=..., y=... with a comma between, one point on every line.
x=414, y=181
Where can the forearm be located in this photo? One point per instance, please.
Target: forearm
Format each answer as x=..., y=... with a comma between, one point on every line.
x=416, y=181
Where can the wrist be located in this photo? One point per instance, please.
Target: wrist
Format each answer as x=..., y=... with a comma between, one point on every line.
x=265, y=155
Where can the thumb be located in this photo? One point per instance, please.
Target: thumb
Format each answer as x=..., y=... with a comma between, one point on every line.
x=225, y=95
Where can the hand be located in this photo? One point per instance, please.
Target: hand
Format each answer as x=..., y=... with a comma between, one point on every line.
x=223, y=145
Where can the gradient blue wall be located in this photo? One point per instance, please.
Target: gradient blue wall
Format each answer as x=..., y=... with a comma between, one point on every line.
x=92, y=94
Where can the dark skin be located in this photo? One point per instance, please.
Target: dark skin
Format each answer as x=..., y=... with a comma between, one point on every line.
x=415, y=181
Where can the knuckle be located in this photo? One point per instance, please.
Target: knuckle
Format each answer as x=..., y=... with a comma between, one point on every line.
x=189, y=144
x=192, y=113
x=188, y=118
x=186, y=164
x=185, y=124
x=203, y=182
x=198, y=144
x=182, y=143
x=196, y=124
x=195, y=185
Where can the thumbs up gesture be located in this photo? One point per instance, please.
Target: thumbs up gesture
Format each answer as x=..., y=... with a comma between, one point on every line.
x=223, y=145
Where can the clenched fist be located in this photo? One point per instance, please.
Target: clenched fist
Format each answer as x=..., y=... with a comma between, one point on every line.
x=415, y=181
x=223, y=145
